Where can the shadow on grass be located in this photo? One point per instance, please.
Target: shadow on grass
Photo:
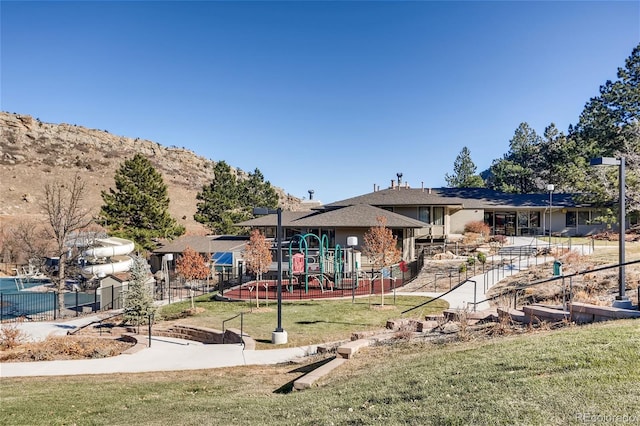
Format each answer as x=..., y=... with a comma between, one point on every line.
x=288, y=387
x=329, y=322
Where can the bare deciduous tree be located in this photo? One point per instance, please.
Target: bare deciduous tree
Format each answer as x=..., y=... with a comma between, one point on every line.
x=257, y=257
x=30, y=241
x=381, y=247
x=192, y=266
x=66, y=214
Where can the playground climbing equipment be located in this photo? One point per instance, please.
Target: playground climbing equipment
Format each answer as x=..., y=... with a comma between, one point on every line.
x=326, y=269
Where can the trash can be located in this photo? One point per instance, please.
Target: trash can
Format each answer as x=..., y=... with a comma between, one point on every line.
x=557, y=268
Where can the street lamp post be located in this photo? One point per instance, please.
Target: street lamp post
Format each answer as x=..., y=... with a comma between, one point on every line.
x=550, y=188
x=622, y=301
x=279, y=336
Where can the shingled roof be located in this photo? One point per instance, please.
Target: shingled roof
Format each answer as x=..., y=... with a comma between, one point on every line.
x=288, y=218
x=469, y=198
x=204, y=244
x=352, y=216
x=358, y=215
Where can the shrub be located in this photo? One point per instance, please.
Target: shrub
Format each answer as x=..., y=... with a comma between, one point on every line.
x=477, y=227
x=472, y=238
x=11, y=336
x=482, y=258
x=501, y=239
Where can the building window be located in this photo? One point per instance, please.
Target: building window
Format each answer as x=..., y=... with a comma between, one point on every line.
x=438, y=215
x=570, y=219
x=584, y=218
x=397, y=234
x=270, y=232
x=523, y=220
x=424, y=214
x=597, y=216
x=534, y=219
x=488, y=218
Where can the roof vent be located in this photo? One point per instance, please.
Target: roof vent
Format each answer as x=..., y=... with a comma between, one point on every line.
x=311, y=192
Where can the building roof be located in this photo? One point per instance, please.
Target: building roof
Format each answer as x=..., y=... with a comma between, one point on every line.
x=469, y=198
x=357, y=216
x=351, y=216
x=204, y=244
x=271, y=219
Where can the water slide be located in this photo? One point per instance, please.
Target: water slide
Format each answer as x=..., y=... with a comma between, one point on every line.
x=110, y=256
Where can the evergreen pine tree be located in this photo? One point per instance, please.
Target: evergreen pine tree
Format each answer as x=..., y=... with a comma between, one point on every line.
x=138, y=208
x=227, y=200
x=464, y=172
x=138, y=299
x=519, y=169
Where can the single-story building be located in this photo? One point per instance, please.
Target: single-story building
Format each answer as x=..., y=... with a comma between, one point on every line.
x=440, y=214
x=225, y=251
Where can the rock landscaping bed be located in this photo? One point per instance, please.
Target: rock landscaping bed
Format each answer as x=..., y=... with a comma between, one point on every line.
x=65, y=348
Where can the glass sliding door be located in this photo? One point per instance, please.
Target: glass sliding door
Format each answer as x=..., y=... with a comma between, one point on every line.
x=505, y=223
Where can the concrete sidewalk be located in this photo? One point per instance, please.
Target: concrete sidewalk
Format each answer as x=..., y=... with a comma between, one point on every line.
x=475, y=288
x=165, y=354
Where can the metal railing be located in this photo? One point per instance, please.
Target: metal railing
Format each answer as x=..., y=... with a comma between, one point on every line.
x=224, y=323
x=566, y=290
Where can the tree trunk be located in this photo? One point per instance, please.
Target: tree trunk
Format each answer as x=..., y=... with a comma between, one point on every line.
x=257, y=290
x=61, y=284
x=193, y=303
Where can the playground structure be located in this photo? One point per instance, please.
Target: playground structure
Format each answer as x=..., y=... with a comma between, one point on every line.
x=326, y=268
x=109, y=256
x=312, y=269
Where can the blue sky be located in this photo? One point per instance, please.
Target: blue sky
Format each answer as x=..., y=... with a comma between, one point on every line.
x=331, y=96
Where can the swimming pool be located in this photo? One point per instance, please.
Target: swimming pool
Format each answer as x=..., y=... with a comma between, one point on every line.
x=35, y=305
x=8, y=284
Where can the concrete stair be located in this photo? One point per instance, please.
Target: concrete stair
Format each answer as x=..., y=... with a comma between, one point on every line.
x=470, y=316
x=306, y=381
x=578, y=312
x=345, y=352
x=538, y=313
x=533, y=314
x=512, y=315
x=585, y=313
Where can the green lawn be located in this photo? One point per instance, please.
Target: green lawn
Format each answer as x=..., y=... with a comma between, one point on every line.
x=306, y=322
x=576, y=375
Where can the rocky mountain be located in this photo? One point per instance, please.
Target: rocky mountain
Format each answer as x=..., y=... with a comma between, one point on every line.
x=33, y=153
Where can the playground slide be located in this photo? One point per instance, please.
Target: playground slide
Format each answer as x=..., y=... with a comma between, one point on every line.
x=110, y=257
x=112, y=246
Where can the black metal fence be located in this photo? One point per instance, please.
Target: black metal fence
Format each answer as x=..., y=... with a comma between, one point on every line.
x=319, y=286
x=44, y=306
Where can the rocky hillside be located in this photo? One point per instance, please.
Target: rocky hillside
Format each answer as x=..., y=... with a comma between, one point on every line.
x=33, y=153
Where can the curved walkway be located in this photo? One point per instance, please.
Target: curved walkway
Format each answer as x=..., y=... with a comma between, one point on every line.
x=167, y=354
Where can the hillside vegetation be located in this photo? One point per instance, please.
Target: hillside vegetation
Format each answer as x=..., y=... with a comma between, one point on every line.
x=33, y=153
